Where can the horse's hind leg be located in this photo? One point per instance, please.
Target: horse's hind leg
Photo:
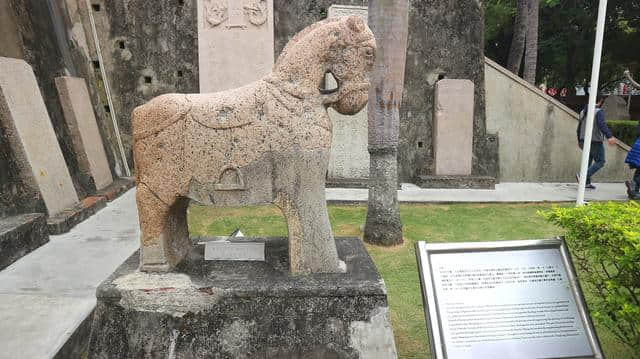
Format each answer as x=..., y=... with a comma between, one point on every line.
x=164, y=239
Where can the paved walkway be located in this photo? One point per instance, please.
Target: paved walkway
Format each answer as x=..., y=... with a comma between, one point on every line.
x=504, y=193
x=47, y=294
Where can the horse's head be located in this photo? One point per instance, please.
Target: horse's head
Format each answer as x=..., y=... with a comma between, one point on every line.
x=344, y=47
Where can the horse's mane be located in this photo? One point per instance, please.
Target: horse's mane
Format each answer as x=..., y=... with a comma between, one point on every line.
x=302, y=34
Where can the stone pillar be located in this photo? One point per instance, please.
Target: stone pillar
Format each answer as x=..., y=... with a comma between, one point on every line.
x=235, y=42
x=24, y=116
x=349, y=163
x=78, y=113
x=453, y=127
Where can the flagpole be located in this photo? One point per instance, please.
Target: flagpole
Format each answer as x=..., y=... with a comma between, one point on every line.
x=593, y=91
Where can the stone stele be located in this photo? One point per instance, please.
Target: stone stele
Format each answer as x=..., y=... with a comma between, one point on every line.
x=235, y=42
x=25, y=118
x=266, y=142
x=453, y=127
x=78, y=113
x=349, y=155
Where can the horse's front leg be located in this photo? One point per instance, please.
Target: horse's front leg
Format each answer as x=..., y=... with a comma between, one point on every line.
x=302, y=200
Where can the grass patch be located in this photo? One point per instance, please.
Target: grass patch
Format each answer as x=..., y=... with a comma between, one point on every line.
x=397, y=265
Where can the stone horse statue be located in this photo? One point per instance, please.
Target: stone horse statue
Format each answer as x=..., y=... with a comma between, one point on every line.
x=266, y=142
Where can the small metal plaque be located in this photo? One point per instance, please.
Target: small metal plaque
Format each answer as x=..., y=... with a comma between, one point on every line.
x=507, y=300
x=223, y=250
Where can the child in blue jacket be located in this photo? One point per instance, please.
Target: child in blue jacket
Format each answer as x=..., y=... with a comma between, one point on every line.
x=633, y=159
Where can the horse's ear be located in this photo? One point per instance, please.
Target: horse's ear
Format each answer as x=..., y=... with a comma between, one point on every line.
x=355, y=23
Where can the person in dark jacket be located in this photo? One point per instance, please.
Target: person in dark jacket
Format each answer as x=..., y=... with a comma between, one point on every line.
x=633, y=159
x=600, y=132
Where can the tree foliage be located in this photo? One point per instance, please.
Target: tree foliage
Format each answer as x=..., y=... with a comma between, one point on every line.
x=604, y=240
x=567, y=36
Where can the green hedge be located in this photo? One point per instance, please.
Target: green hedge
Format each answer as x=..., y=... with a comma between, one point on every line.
x=625, y=131
x=604, y=240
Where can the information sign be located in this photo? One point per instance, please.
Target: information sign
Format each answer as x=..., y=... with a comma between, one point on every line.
x=513, y=299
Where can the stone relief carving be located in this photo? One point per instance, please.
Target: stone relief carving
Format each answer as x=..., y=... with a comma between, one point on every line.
x=266, y=142
x=257, y=12
x=235, y=12
x=215, y=12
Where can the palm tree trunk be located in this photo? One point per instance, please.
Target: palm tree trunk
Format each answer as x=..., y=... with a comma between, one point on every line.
x=389, y=21
x=531, y=47
x=519, y=33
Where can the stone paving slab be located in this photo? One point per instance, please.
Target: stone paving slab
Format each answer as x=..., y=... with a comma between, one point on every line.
x=48, y=293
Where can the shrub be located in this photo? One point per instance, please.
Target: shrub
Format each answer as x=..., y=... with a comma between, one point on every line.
x=604, y=240
x=625, y=131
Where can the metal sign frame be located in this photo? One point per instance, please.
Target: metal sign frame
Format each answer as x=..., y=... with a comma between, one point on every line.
x=432, y=313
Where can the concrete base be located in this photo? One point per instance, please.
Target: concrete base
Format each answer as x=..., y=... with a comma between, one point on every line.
x=457, y=182
x=223, y=309
x=20, y=235
x=68, y=218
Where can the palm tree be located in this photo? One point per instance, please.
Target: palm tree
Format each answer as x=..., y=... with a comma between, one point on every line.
x=519, y=35
x=389, y=21
x=531, y=46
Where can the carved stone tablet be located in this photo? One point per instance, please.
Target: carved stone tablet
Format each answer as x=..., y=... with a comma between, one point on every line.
x=235, y=42
x=349, y=155
x=85, y=135
x=453, y=127
x=26, y=120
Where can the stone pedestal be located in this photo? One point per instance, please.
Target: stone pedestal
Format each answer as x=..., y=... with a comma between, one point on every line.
x=223, y=309
x=20, y=235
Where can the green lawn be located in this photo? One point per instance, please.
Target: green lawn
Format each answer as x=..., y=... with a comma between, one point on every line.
x=432, y=223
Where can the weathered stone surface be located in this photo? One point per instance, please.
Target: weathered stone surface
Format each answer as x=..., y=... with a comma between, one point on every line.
x=235, y=42
x=245, y=310
x=446, y=38
x=459, y=182
x=26, y=121
x=453, y=127
x=349, y=156
x=267, y=142
x=83, y=128
x=149, y=48
x=615, y=108
x=36, y=33
x=21, y=234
